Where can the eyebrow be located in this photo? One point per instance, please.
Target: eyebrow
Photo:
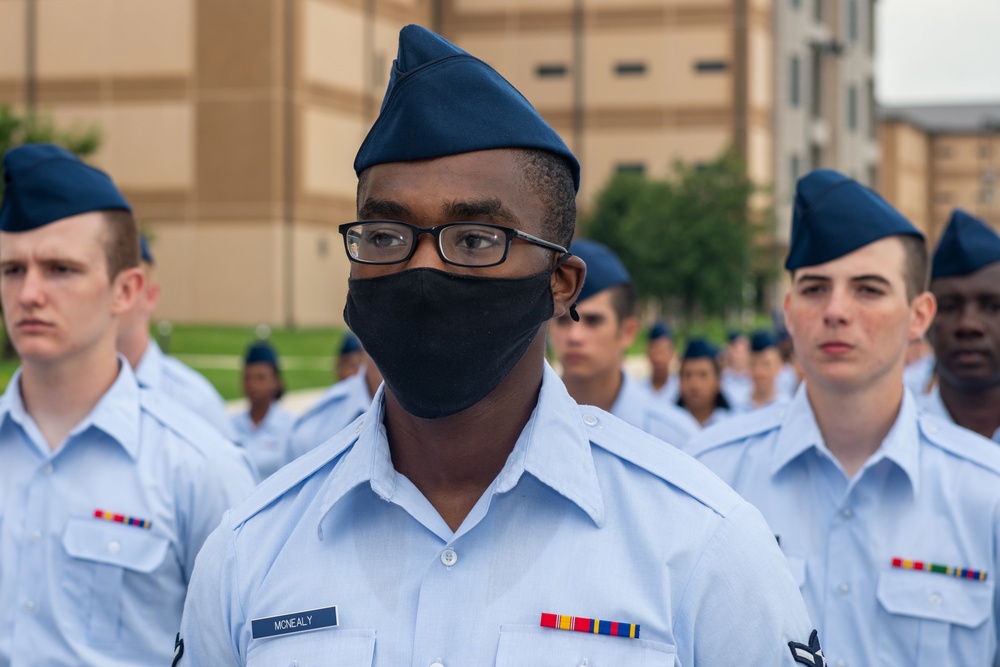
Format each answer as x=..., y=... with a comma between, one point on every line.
x=490, y=209
x=874, y=277
x=374, y=209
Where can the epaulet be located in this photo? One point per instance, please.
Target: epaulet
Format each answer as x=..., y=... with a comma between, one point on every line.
x=659, y=459
x=181, y=420
x=296, y=472
x=960, y=442
x=737, y=428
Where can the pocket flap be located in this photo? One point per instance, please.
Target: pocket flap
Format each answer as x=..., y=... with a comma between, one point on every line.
x=124, y=546
x=936, y=597
x=522, y=645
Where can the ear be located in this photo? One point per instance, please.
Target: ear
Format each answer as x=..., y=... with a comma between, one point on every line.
x=785, y=308
x=151, y=295
x=628, y=332
x=922, y=312
x=126, y=290
x=567, y=281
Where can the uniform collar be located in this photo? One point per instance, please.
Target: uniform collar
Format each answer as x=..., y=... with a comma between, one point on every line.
x=799, y=433
x=553, y=447
x=150, y=367
x=116, y=413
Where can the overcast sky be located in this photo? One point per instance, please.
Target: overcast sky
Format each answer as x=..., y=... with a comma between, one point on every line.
x=938, y=51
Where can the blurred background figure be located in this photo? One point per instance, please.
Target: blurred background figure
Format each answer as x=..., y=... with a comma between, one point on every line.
x=350, y=358
x=965, y=280
x=736, y=383
x=660, y=352
x=340, y=404
x=701, y=383
x=592, y=350
x=765, y=365
x=790, y=375
x=263, y=428
x=157, y=371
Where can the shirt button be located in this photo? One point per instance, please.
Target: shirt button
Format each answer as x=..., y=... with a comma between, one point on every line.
x=37, y=536
x=114, y=546
x=936, y=598
x=844, y=589
x=48, y=469
x=449, y=558
x=437, y=663
x=848, y=514
x=590, y=420
x=29, y=607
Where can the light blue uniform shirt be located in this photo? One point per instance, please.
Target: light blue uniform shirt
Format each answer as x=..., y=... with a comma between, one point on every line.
x=930, y=493
x=160, y=372
x=340, y=405
x=932, y=404
x=641, y=409
x=78, y=590
x=737, y=387
x=264, y=442
x=589, y=517
x=917, y=375
x=669, y=392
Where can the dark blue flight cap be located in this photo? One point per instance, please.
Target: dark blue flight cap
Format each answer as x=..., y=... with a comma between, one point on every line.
x=443, y=101
x=44, y=183
x=604, y=269
x=733, y=334
x=350, y=344
x=660, y=329
x=261, y=352
x=835, y=215
x=967, y=245
x=700, y=348
x=144, y=251
x=761, y=340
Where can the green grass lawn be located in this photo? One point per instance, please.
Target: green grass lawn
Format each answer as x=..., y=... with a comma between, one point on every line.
x=307, y=355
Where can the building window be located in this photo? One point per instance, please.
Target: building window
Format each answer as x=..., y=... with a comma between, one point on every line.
x=852, y=108
x=871, y=115
x=710, y=66
x=794, y=82
x=794, y=169
x=873, y=177
x=550, y=71
x=852, y=20
x=816, y=103
x=637, y=168
x=630, y=69
x=796, y=4
x=815, y=157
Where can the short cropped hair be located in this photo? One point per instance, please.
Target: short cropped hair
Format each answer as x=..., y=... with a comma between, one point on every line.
x=623, y=301
x=121, y=241
x=549, y=177
x=916, y=263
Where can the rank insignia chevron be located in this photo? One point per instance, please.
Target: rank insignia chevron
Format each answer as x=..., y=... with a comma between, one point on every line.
x=808, y=655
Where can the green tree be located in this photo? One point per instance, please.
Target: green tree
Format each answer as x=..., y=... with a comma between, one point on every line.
x=690, y=242
x=16, y=129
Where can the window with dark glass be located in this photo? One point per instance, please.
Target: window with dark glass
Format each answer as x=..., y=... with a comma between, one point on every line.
x=709, y=66
x=550, y=70
x=631, y=68
x=794, y=82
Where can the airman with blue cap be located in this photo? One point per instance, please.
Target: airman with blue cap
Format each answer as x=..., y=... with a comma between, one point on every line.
x=476, y=514
x=158, y=371
x=592, y=350
x=965, y=279
x=262, y=429
x=663, y=382
x=107, y=490
x=701, y=383
x=889, y=517
x=736, y=381
x=765, y=366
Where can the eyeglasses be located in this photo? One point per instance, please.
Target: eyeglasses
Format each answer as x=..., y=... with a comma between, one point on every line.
x=475, y=244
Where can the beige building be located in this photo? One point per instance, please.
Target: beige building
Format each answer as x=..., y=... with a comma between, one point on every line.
x=938, y=158
x=232, y=124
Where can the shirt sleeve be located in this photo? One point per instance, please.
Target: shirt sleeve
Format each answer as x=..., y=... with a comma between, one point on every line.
x=741, y=600
x=210, y=627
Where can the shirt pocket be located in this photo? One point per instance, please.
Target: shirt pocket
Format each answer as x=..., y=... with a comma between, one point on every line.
x=928, y=613
x=327, y=647
x=523, y=645
x=99, y=555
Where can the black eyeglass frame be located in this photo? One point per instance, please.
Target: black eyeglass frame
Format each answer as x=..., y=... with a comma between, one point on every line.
x=509, y=232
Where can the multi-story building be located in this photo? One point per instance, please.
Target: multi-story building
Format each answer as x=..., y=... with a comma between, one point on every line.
x=941, y=157
x=232, y=124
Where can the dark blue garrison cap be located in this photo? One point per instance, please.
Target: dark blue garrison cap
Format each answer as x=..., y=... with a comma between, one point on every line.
x=967, y=245
x=350, y=344
x=443, y=101
x=604, y=269
x=261, y=352
x=761, y=340
x=660, y=329
x=44, y=183
x=835, y=215
x=144, y=251
x=700, y=348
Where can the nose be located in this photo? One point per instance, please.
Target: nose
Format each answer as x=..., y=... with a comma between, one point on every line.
x=425, y=254
x=31, y=294
x=837, y=309
x=970, y=324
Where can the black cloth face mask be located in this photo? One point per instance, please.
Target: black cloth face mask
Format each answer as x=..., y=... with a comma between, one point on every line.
x=444, y=341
